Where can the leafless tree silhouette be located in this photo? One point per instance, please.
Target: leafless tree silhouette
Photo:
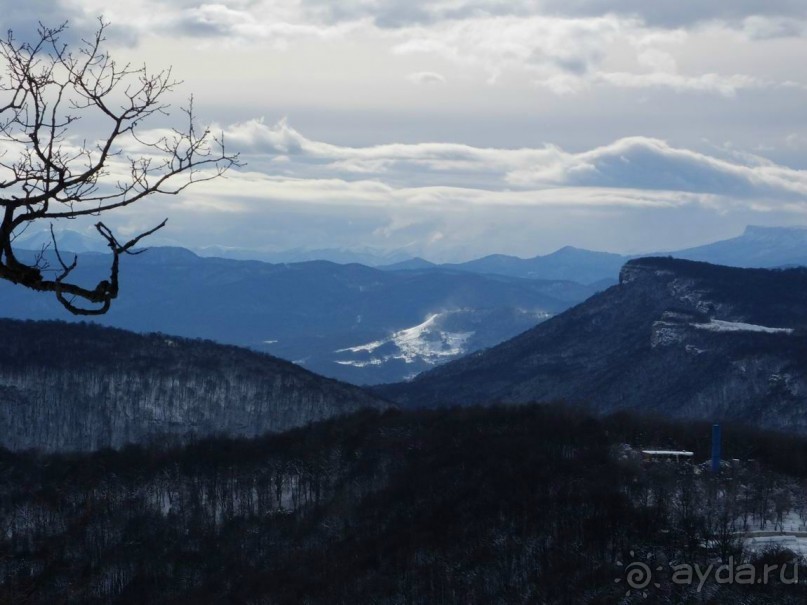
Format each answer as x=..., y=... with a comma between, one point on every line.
x=50, y=171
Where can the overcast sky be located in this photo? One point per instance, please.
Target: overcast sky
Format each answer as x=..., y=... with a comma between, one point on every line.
x=456, y=128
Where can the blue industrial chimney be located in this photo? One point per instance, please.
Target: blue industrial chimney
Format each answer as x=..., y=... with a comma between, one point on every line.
x=716, y=439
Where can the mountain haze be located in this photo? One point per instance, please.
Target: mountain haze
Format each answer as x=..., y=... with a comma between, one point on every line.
x=357, y=323
x=756, y=247
x=584, y=266
x=313, y=313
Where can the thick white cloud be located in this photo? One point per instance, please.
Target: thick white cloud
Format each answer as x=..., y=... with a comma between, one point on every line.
x=667, y=13
x=650, y=164
x=568, y=55
x=633, y=163
x=543, y=45
x=727, y=86
x=675, y=13
x=759, y=27
x=587, y=75
x=564, y=47
x=449, y=201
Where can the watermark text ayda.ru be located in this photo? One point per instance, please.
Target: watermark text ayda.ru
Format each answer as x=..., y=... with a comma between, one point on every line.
x=640, y=577
x=731, y=573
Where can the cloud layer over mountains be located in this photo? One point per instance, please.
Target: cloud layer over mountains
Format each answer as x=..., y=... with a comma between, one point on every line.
x=438, y=196
x=455, y=128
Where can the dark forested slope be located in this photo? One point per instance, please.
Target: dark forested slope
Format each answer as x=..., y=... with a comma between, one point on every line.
x=81, y=387
x=676, y=337
x=495, y=506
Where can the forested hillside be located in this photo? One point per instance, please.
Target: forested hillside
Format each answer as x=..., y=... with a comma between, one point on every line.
x=526, y=504
x=82, y=387
x=678, y=338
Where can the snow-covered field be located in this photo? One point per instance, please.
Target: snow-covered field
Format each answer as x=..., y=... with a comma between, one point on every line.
x=796, y=543
x=792, y=535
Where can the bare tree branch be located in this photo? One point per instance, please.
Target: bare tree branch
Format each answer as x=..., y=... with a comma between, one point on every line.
x=47, y=174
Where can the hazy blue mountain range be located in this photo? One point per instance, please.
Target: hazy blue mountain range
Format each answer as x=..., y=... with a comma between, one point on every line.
x=569, y=263
x=83, y=387
x=358, y=323
x=675, y=337
x=75, y=241
x=347, y=321
x=757, y=247
x=66, y=239
x=371, y=257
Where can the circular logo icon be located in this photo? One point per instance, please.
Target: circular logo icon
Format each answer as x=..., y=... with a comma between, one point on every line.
x=638, y=576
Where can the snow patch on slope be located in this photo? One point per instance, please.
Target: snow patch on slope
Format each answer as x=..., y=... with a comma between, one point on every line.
x=718, y=325
x=423, y=342
x=419, y=341
x=665, y=333
x=369, y=348
x=361, y=364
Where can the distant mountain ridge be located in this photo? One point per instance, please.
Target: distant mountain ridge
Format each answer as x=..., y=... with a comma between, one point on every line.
x=370, y=257
x=567, y=264
x=313, y=313
x=585, y=265
x=83, y=387
x=77, y=241
x=362, y=324
x=675, y=337
x=757, y=247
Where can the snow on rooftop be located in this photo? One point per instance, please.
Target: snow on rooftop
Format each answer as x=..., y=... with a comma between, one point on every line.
x=668, y=453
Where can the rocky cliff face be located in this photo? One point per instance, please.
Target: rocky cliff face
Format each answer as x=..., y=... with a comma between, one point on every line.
x=674, y=337
x=82, y=387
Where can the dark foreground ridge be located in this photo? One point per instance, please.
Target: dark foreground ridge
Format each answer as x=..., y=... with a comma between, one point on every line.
x=82, y=387
x=497, y=505
x=675, y=337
